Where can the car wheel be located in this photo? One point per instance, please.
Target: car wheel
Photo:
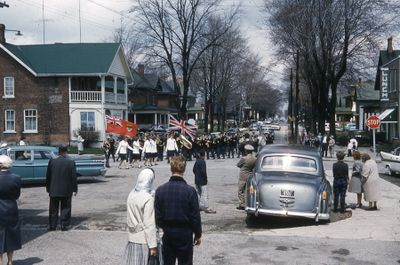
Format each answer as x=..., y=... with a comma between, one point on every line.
x=250, y=220
x=390, y=171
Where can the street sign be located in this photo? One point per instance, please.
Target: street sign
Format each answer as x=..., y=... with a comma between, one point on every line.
x=373, y=122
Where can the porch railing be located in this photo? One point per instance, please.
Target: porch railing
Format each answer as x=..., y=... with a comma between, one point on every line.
x=85, y=96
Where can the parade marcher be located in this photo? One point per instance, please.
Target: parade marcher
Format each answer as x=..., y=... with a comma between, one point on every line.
x=10, y=230
x=340, y=179
x=355, y=184
x=172, y=147
x=136, y=153
x=331, y=146
x=80, y=144
x=142, y=231
x=112, y=147
x=177, y=213
x=247, y=140
x=371, y=187
x=200, y=180
x=147, y=152
x=246, y=165
x=122, y=152
x=153, y=150
x=61, y=183
x=106, y=150
x=160, y=148
x=349, y=149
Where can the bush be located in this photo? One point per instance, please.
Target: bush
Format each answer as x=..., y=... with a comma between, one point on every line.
x=90, y=137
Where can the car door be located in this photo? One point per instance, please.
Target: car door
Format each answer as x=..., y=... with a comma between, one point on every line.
x=22, y=164
x=40, y=162
x=395, y=160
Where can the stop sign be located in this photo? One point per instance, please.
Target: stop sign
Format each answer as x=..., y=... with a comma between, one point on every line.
x=373, y=122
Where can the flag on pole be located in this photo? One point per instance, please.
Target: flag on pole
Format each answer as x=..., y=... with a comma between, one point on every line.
x=183, y=126
x=121, y=127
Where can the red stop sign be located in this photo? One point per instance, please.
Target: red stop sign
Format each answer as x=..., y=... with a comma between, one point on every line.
x=373, y=122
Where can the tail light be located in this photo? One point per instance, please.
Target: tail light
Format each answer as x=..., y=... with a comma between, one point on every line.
x=324, y=195
x=251, y=189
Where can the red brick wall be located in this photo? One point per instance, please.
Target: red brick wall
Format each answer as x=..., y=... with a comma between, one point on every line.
x=48, y=95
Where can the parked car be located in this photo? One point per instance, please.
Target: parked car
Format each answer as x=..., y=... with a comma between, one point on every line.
x=289, y=181
x=392, y=161
x=275, y=126
x=30, y=162
x=350, y=127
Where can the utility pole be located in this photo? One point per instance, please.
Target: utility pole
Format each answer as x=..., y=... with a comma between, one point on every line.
x=296, y=102
x=44, y=27
x=290, y=110
x=4, y=4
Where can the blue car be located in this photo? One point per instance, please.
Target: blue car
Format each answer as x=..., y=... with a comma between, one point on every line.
x=30, y=162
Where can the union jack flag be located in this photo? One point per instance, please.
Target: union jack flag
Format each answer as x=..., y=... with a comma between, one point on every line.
x=183, y=126
x=114, y=121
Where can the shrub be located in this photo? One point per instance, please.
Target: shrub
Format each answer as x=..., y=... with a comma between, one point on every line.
x=90, y=137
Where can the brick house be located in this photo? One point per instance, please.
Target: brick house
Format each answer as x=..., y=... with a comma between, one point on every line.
x=52, y=91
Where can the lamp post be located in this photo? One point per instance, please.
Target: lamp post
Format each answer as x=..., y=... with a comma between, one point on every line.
x=18, y=32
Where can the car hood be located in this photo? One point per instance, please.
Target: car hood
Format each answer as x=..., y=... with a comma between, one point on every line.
x=291, y=191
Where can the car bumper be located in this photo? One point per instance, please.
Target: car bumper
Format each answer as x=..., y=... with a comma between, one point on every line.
x=103, y=172
x=288, y=213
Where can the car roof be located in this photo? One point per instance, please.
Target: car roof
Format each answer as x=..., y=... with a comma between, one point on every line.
x=292, y=149
x=33, y=147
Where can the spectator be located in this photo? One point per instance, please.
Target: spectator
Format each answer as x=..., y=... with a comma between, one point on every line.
x=80, y=144
x=10, y=231
x=324, y=146
x=142, y=236
x=331, y=146
x=371, y=186
x=340, y=179
x=61, y=183
x=177, y=213
x=355, y=184
x=246, y=165
x=200, y=179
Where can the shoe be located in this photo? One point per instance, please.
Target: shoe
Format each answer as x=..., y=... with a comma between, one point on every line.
x=65, y=228
x=359, y=205
x=211, y=211
x=240, y=207
x=372, y=209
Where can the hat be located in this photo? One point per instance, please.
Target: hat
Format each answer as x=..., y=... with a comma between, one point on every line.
x=248, y=147
x=5, y=161
x=62, y=148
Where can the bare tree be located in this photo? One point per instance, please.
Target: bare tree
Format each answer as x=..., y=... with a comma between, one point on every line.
x=174, y=32
x=327, y=35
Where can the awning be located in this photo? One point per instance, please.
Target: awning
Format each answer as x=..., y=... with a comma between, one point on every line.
x=389, y=115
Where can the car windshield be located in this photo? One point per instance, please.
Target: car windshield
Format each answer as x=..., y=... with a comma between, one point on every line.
x=289, y=163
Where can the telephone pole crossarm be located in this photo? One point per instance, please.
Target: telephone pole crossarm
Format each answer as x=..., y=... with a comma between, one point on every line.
x=3, y=4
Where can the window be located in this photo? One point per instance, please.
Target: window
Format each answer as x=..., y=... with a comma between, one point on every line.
x=289, y=163
x=8, y=87
x=9, y=121
x=87, y=121
x=30, y=120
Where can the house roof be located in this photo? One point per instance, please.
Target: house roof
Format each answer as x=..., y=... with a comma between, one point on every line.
x=367, y=92
x=65, y=58
x=384, y=58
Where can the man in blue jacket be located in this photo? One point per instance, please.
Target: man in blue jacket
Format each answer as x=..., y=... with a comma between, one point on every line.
x=177, y=213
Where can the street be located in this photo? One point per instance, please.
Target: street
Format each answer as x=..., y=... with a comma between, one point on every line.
x=98, y=218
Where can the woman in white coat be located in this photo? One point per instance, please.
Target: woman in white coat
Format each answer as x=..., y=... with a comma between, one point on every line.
x=142, y=232
x=371, y=187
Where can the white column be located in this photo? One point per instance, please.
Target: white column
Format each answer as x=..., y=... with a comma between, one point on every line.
x=134, y=118
x=361, y=119
x=103, y=90
x=155, y=118
x=115, y=89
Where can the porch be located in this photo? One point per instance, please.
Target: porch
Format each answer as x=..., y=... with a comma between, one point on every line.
x=96, y=96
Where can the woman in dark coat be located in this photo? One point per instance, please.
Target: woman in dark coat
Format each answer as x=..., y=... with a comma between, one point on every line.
x=10, y=188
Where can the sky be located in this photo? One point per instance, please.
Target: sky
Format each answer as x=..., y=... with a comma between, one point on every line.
x=96, y=20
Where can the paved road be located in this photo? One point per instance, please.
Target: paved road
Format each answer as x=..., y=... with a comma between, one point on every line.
x=99, y=236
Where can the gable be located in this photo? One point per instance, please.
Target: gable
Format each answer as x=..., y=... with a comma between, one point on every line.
x=119, y=66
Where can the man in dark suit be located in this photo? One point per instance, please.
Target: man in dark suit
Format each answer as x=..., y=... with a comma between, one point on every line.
x=61, y=183
x=177, y=213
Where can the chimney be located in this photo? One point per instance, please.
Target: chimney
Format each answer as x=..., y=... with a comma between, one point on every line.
x=390, y=45
x=140, y=69
x=2, y=34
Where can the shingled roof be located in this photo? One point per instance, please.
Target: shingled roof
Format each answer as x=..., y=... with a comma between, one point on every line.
x=65, y=59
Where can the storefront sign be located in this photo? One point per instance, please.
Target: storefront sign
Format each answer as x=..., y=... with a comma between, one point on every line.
x=384, y=84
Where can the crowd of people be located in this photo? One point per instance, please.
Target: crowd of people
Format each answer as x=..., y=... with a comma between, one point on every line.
x=153, y=148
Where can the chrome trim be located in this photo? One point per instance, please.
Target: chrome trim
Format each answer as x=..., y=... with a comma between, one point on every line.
x=103, y=171
x=256, y=211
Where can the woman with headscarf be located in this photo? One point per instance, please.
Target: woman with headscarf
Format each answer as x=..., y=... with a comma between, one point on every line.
x=142, y=230
x=10, y=232
x=371, y=187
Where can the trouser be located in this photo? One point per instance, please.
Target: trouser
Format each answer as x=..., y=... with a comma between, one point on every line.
x=339, y=193
x=324, y=150
x=203, y=196
x=177, y=245
x=231, y=152
x=107, y=156
x=241, y=191
x=62, y=204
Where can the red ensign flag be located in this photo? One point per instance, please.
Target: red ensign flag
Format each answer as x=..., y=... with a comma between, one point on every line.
x=121, y=127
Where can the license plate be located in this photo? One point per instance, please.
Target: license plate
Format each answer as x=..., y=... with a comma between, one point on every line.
x=287, y=193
